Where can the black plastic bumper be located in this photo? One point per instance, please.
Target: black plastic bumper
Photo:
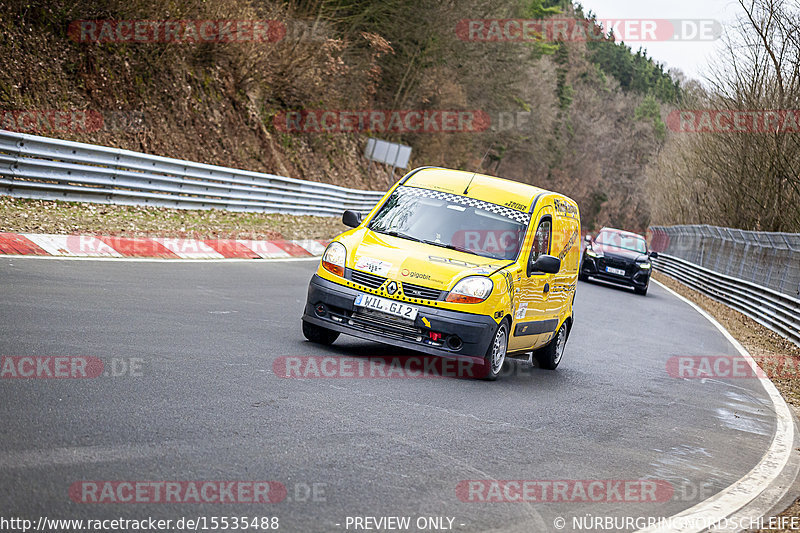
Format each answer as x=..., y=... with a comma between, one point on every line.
x=469, y=335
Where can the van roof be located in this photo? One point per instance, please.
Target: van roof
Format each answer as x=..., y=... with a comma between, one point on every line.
x=491, y=189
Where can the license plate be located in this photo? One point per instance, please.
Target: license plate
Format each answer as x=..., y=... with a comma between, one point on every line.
x=386, y=306
x=617, y=271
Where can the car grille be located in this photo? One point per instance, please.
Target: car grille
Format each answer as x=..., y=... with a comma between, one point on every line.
x=614, y=263
x=368, y=280
x=386, y=320
x=423, y=293
x=386, y=325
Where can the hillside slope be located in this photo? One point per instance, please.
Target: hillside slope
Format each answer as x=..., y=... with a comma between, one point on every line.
x=560, y=115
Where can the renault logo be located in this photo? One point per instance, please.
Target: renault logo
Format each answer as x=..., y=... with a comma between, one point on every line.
x=391, y=288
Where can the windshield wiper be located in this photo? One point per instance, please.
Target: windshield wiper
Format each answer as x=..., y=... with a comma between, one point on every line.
x=399, y=235
x=448, y=246
x=393, y=233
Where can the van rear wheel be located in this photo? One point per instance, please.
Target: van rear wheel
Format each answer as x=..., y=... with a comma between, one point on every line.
x=550, y=355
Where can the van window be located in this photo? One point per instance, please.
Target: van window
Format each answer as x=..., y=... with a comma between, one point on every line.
x=452, y=221
x=541, y=241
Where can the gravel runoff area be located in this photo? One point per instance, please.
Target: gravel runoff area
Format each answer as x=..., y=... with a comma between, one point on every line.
x=765, y=347
x=19, y=215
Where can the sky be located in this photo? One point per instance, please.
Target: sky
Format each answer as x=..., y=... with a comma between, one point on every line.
x=692, y=56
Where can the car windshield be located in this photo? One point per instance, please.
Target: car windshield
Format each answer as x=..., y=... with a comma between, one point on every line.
x=452, y=221
x=634, y=243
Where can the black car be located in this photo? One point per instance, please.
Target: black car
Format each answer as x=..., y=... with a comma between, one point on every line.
x=619, y=257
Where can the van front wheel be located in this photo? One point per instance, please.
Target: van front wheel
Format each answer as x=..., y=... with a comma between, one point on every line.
x=318, y=334
x=496, y=353
x=550, y=355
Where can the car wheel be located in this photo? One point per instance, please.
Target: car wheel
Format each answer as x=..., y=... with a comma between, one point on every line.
x=581, y=275
x=318, y=334
x=643, y=292
x=549, y=356
x=495, y=356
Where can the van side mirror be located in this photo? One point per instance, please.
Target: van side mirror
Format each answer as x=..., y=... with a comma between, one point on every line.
x=546, y=264
x=653, y=255
x=351, y=219
x=588, y=239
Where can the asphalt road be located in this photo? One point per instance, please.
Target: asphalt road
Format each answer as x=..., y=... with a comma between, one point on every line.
x=205, y=404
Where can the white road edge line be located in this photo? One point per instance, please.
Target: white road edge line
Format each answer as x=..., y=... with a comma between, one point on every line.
x=736, y=496
x=176, y=260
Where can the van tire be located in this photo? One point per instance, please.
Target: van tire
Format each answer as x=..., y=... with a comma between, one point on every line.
x=495, y=358
x=318, y=334
x=550, y=355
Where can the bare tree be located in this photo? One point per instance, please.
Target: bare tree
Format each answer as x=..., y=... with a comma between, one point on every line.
x=749, y=178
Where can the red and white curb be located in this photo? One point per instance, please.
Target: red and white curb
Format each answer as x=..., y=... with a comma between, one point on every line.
x=162, y=247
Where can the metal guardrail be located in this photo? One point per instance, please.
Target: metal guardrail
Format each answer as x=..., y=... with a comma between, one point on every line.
x=53, y=169
x=767, y=259
x=772, y=309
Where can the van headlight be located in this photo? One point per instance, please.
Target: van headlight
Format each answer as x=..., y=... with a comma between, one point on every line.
x=592, y=253
x=334, y=257
x=471, y=290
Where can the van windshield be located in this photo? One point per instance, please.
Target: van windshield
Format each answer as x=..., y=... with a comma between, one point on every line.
x=452, y=221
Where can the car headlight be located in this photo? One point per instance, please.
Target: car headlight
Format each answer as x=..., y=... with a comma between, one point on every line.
x=334, y=257
x=471, y=290
x=643, y=265
x=592, y=253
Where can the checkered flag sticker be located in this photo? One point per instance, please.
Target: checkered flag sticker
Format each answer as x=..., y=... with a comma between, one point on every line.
x=513, y=214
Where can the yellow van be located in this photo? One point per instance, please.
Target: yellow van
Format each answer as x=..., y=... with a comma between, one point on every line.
x=454, y=264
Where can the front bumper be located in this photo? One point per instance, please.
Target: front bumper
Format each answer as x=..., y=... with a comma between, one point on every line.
x=474, y=332
x=634, y=276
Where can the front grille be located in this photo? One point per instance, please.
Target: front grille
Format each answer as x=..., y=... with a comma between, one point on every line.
x=386, y=325
x=368, y=280
x=423, y=293
x=386, y=320
x=617, y=263
x=613, y=263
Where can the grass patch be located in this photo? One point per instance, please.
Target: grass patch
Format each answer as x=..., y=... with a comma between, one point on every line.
x=72, y=218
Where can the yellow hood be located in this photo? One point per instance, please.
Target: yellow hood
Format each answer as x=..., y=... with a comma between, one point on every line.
x=413, y=262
